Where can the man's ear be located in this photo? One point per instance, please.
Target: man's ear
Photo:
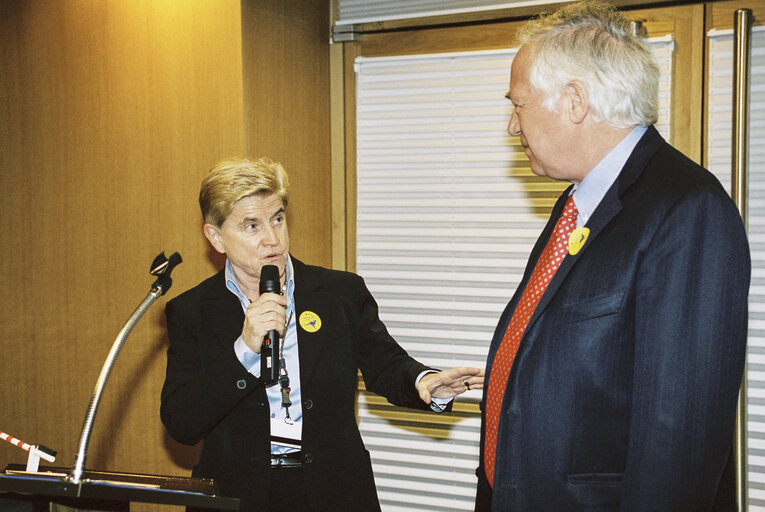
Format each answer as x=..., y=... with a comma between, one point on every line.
x=214, y=236
x=578, y=101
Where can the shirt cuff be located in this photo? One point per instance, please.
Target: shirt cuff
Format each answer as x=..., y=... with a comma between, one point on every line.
x=249, y=359
x=436, y=404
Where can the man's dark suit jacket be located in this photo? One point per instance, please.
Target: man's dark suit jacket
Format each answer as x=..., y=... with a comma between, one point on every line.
x=622, y=396
x=208, y=395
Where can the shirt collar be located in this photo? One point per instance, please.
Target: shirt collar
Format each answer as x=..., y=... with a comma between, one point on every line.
x=232, y=283
x=590, y=191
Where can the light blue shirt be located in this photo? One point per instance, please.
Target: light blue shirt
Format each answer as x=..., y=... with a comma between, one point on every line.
x=251, y=360
x=591, y=190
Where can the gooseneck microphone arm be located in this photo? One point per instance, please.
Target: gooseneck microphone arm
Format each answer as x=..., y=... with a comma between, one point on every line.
x=161, y=267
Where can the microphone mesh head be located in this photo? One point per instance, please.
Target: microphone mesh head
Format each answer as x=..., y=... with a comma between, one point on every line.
x=269, y=279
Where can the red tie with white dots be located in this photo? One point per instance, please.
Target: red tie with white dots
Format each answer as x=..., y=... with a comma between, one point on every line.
x=545, y=269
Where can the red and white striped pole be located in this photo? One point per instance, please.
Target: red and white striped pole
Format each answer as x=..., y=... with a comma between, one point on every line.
x=36, y=452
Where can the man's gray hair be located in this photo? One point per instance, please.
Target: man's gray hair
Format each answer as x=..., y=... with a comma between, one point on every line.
x=592, y=43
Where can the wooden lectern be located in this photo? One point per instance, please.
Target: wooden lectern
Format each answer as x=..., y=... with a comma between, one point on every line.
x=111, y=490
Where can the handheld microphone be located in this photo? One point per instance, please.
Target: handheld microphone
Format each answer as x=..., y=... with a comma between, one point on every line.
x=269, y=351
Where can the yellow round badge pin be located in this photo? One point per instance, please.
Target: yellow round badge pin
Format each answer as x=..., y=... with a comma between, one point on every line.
x=310, y=321
x=577, y=239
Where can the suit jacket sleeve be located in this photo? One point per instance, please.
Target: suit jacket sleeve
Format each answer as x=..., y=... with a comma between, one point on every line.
x=387, y=368
x=690, y=336
x=204, y=381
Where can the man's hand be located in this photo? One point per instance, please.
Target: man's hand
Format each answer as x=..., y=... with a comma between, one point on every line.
x=267, y=313
x=449, y=383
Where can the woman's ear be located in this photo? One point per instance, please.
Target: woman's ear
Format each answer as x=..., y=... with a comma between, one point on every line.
x=213, y=234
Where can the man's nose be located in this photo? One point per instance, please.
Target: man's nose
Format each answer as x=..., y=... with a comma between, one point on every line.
x=514, y=127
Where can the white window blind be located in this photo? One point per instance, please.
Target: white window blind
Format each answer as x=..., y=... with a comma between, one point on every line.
x=719, y=153
x=448, y=211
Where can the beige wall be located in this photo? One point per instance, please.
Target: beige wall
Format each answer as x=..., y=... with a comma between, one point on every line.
x=286, y=104
x=111, y=111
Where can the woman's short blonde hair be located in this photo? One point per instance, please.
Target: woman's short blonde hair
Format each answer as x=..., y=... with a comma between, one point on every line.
x=233, y=179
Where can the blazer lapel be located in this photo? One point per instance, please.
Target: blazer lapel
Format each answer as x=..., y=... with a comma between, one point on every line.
x=222, y=311
x=310, y=299
x=608, y=208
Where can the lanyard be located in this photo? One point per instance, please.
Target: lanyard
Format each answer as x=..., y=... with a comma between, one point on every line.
x=284, y=379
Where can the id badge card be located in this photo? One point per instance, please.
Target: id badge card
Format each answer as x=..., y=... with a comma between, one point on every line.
x=287, y=433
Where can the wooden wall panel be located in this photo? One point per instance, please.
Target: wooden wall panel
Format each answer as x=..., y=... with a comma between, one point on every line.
x=287, y=113
x=110, y=114
x=721, y=14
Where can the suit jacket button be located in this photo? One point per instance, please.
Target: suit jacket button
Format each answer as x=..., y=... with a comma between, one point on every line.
x=308, y=458
x=241, y=383
x=308, y=403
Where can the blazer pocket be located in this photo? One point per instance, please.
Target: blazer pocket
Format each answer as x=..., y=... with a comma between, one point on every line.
x=590, y=308
x=595, y=492
x=595, y=478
